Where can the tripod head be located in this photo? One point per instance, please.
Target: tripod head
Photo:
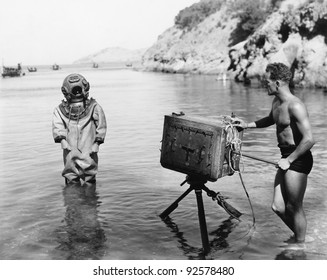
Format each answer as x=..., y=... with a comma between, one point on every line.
x=198, y=183
x=194, y=180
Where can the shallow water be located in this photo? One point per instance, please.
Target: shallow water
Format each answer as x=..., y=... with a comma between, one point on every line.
x=40, y=219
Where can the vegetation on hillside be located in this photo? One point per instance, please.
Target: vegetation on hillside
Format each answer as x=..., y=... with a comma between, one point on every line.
x=196, y=13
x=251, y=14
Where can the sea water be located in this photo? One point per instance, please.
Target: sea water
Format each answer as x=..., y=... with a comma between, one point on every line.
x=43, y=220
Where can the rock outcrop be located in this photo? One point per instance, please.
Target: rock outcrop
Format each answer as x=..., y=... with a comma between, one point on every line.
x=295, y=34
x=204, y=49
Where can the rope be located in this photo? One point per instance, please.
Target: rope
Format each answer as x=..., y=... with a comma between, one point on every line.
x=234, y=143
x=253, y=217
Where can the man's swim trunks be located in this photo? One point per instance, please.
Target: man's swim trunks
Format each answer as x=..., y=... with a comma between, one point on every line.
x=303, y=164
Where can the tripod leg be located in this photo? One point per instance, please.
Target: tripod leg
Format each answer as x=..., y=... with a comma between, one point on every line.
x=202, y=221
x=221, y=202
x=174, y=205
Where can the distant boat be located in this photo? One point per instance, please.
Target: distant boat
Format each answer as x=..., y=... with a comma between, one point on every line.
x=12, y=71
x=55, y=67
x=31, y=69
x=95, y=65
x=129, y=64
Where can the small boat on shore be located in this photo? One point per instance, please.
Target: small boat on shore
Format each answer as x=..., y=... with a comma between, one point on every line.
x=12, y=71
x=31, y=69
x=55, y=67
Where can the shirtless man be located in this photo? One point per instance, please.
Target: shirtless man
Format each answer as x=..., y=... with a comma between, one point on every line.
x=295, y=140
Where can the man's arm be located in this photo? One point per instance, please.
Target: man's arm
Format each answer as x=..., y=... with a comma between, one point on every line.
x=100, y=123
x=264, y=122
x=299, y=114
x=59, y=130
x=101, y=128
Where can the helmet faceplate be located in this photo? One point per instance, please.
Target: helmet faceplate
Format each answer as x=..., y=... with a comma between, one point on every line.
x=75, y=88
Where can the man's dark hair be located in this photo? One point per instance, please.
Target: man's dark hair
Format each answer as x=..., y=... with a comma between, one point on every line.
x=279, y=71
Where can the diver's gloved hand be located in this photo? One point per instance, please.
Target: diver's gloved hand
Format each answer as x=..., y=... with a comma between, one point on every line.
x=65, y=145
x=94, y=148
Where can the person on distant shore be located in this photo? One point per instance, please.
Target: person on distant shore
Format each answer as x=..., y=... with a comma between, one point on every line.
x=79, y=124
x=295, y=140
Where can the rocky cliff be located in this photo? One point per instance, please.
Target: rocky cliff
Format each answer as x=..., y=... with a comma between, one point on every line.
x=295, y=34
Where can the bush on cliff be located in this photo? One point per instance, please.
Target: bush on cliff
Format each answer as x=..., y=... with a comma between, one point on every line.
x=252, y=13
x=193, y=15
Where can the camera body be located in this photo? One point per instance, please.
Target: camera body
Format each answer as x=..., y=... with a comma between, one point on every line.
x=200, y=146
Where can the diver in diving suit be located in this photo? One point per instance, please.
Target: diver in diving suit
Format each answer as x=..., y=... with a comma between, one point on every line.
x=79, y=124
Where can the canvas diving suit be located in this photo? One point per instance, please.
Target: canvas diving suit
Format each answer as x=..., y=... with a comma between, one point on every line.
x=80, y=125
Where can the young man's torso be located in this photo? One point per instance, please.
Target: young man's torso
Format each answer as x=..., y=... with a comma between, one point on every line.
x=286, y=128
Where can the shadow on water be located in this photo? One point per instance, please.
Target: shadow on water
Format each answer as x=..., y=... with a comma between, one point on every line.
x=289, y=254
x=81, y=236
x=221, y=234
x=219, y=241
x=300, y=254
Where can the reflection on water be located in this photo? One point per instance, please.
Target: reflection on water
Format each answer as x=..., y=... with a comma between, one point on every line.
x=218, y=239
x=81, y=235
x=221, y=234
x=189, y=251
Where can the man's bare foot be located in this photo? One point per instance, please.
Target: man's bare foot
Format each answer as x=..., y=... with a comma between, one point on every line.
x=292, y=240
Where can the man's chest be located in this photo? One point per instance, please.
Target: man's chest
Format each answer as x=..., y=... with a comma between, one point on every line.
x=281, y=115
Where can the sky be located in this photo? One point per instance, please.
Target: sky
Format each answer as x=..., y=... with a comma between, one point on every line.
x=35, y=32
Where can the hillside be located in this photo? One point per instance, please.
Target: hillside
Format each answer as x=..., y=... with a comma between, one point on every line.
x=223, y=43
x=113, y=55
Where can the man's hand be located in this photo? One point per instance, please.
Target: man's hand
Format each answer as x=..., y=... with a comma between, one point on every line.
x=284, y=164
x=94, y=148
x=65, y=145
x=239, y=123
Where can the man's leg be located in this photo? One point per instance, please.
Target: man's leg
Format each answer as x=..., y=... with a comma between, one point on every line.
x=280, y=199
x=70, y=172
x=294, y=187
x=91, y=168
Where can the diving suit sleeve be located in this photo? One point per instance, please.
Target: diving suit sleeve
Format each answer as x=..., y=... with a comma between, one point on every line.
x=100, y=123
x=59, y=130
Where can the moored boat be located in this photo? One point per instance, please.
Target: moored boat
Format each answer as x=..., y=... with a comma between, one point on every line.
x=12, y=71
x=55, y=67
x=31, y=69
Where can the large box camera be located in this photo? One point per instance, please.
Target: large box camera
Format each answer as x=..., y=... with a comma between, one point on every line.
x=198, y=146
